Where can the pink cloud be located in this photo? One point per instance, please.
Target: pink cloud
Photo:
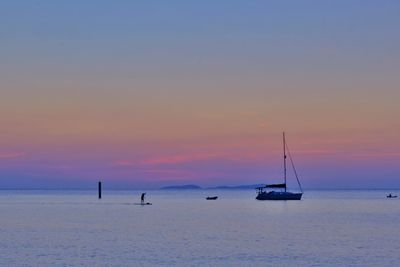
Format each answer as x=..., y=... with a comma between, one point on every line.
x=172, y=174
x=164, y=171
x=240, y=156
x=263, y=125
x=315, y=152
x=170, y=160
x=234, y=156
x=164, y=165
x=177, y=159
x=376, y=155
x=124, y=163
x=11, y=155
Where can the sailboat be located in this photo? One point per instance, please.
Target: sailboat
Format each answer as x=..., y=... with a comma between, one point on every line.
x=267, y=192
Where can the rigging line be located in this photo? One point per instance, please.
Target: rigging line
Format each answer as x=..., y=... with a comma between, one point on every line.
x=294, y=168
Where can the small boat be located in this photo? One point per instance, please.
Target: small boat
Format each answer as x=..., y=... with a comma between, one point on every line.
x=391, y=196
x=212, y=198
x=283, y=194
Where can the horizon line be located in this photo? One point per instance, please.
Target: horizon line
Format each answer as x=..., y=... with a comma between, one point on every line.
x=184, y=189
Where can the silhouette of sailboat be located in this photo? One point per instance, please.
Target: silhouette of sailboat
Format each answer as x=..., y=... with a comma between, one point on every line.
x=263, y=193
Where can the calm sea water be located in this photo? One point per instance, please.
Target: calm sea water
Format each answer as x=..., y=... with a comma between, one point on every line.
x=181, y=228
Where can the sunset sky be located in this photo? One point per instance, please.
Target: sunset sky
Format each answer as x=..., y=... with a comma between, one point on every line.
x=142, y=94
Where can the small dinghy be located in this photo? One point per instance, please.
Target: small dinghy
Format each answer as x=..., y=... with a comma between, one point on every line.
x=391, y=196
x=212, y=198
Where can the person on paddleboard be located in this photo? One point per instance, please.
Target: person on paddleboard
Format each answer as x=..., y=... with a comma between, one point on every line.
x=142, y=198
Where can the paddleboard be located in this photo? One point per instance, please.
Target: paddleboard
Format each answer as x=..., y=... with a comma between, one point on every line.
x=143, y=204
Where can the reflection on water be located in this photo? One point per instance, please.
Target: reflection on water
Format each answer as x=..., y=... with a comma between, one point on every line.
x=326, y=228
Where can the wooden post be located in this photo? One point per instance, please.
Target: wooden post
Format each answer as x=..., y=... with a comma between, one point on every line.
x=99, y=189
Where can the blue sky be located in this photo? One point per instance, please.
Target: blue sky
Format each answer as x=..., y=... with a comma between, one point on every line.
x=165, y=92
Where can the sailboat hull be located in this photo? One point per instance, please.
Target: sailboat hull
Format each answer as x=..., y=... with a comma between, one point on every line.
x=279, y=196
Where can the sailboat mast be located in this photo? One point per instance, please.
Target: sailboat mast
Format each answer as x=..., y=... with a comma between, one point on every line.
x=284, y=158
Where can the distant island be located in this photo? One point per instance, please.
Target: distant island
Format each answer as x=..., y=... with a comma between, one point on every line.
x=221, y=187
